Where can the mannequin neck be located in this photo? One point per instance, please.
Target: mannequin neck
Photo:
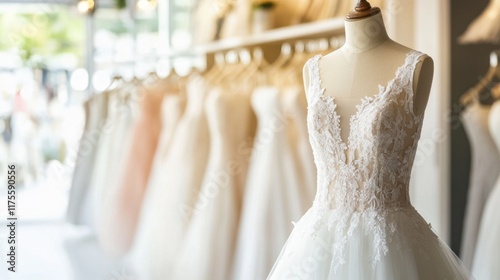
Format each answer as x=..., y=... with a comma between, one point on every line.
x=365, y=34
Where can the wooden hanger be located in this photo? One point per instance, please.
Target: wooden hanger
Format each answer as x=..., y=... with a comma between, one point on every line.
x=231, y=66
x=474, y=93
x=217, y=68
x=257, y=63
x=116, y=82
x=362, y=10
x=291, y=73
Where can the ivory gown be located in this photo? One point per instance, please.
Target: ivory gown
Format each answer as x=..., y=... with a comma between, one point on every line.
x=485, y=168
x=485, y=265
x=117, y=225
x=362, y=225
x=166, y=207
x=274, y=193
x=96, y=111
x=116, y=137
x=208, y=248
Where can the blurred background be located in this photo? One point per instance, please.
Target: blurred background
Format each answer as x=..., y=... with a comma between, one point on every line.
x=56, y=55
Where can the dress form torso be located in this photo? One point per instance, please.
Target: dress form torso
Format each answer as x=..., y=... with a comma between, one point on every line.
x=367, y=60
x=362, y=220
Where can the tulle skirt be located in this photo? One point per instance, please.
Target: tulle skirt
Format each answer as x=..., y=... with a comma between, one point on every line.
x=370, y=245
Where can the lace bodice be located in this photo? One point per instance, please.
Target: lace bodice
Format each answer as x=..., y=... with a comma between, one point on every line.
x=372, y=170
x=365, y=180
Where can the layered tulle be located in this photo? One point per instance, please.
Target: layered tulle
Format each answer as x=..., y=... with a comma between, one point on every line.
x=372, y=245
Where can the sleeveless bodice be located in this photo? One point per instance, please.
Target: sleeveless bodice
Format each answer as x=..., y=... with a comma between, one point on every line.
x=266, y=104
x=372, y=170
x=362, y=225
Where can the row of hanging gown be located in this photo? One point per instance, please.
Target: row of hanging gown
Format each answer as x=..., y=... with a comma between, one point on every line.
x=202, y=173
x=216, y=212
x=106, y=136
x=96, y=111
x=165, y=215
x=123, y=199
x=253, y=185
x=274, y=195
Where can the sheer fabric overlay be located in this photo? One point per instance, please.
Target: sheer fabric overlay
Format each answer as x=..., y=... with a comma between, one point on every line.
x=362, y=224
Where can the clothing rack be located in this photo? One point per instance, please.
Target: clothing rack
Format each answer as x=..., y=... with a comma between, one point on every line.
x=270, y=41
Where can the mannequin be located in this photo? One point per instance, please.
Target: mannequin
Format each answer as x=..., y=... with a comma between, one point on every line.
x=362, y=225
x=369, y=58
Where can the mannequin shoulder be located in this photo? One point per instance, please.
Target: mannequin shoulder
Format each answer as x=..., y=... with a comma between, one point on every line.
x=424, y=66
x=422, y=83
x=332, y=58
x=424, y=72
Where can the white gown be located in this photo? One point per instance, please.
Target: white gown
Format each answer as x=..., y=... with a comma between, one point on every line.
x=208, y=247
x=362, y=224
x=96, y=109
x=274, y=196
x=172, y=110
x=485, y=265
x=167, y=204
x=485, y=168
x=116, y=135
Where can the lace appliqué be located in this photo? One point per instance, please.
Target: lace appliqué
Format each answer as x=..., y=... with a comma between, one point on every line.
x=370, y=183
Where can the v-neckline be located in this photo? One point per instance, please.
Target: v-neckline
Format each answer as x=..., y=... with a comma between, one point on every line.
x=361, y=105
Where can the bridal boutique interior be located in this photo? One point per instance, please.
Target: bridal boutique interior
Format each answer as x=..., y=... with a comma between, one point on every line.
x=169, y=139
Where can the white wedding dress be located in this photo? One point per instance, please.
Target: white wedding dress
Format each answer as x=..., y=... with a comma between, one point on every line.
x=485, y=265
x=211, y=236
x=172, y=110
x=274, y=195
x=485, y=168
x=96, y=110
x=116, y=135
x=166, y=209
x=362, y=224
